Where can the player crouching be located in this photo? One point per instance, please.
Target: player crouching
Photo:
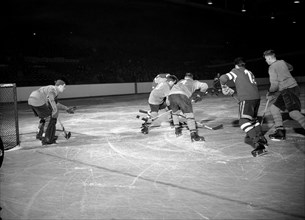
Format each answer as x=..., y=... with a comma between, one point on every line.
x=43, y=102
x=158, y=100
x=180, y=99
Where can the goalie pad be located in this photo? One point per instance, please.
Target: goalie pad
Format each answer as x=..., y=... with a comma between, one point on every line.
x=50, y=131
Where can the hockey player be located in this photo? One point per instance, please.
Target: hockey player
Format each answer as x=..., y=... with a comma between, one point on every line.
x=43, y=102
x=283, y=84
x=159, y=78
x=158, y=100
x=217, y=84
x=249, y=101
x=180, y=99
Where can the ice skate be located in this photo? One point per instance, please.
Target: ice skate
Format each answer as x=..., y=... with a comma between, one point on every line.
x=144, y=128
x=196, y=137
x=171, y=123
x=278, y=135
x=46, y=141
x=259, y=150
x=178, y=131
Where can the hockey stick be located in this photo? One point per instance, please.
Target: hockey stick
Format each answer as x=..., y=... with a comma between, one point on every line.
x=265, y=110
x=67, y=134
x=210, y=128
x=201, y=125
x=146, y=112
x=235, y=98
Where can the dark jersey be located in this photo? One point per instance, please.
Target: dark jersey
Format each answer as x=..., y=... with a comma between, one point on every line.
x=245, y=83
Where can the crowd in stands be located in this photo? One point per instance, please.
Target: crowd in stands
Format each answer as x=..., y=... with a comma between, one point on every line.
x=82, y=72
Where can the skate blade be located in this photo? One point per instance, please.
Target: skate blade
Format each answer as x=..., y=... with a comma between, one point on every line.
x=259, y=153
x=277, y=140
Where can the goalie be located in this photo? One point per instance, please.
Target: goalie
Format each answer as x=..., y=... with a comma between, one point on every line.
x=249, y=101
x=43, y=102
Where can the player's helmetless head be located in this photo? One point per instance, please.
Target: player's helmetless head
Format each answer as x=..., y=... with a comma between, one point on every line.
x=239, y=62
x=172, y=79
x=189, y=75
x=60, y=84
x=269, y=56
x=61, y=88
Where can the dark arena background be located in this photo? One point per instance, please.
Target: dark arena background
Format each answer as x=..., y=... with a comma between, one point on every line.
x=108, y=169
x=133, y=40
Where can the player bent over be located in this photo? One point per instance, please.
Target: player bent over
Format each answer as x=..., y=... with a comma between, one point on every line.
x=158, y=79
x=249, y=101
x=158, y=100
x=43, y=102
x=180, y=99
x=282, y=82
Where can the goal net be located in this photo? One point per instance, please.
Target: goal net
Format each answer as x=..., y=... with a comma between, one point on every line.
x=9, y=129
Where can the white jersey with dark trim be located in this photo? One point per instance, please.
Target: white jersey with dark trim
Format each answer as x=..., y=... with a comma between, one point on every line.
x=188, y=86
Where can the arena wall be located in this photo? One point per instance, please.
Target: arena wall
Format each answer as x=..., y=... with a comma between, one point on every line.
x=95, y=90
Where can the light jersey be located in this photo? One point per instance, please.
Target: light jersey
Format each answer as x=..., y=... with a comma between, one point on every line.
x=41, y=96
x=245, y=83
x=280, y=77
x=187, y=86
x=158, y=79
x=157, y=95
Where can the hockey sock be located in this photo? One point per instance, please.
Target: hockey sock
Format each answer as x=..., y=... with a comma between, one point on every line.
x=190, y=120
x=176, y=118
x=277, y=117
x=297, y=116
x=258, y=128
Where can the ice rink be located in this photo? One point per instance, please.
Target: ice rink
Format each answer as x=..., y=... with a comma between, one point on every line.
x=108, y=169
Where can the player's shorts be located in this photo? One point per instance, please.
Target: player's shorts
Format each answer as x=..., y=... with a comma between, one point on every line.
x=289, y=99
x=180, y=102
x=156, y=108
x=43, y=111
x=249, y=109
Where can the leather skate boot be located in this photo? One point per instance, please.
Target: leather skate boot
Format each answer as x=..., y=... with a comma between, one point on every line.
x=178, y=131
x=259, y=150
x=196, y=137
x=278, y=135
x=144, y=128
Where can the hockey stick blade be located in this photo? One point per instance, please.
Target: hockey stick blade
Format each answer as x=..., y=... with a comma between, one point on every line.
x=217, y=127
x=143, y=111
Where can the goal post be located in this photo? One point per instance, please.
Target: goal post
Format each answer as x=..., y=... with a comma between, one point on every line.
x=9, y=126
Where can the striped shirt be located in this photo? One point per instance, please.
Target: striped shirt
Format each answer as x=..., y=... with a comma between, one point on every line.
x=245, y=83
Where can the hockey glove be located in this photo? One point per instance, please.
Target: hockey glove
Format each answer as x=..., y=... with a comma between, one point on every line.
x=197, y=96
x=212, y=91
x=226, y=90
x=270, y=96
x=71, y=110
